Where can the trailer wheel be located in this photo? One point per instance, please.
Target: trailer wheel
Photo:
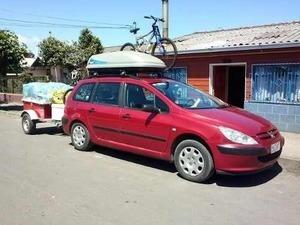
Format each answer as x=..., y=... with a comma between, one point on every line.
x=27, y=124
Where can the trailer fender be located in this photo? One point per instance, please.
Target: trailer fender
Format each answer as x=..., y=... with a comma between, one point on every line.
x=33, y=115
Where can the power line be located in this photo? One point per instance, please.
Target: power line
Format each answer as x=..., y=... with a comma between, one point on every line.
x=62, y=25
x=64, y=19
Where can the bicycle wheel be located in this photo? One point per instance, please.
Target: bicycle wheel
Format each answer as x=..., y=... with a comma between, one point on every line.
x=127, y=47
x=166, y=50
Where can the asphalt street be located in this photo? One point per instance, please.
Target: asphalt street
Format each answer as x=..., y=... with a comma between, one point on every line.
x=43, y=180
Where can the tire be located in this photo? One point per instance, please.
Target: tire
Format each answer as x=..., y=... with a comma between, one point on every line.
x=193, y=161
x=127, y=47
x=167, y=54
x=80, y=137
x=28, y=125
x=66, y=94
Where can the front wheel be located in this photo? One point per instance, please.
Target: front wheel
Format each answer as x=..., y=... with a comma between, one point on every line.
x=193, y=161
x=166, y=50
x=127, y=47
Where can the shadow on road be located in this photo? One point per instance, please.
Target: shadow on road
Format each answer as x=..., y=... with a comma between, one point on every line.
x=49, y=131
x=247, y=180
x=220, y=180
x=144, y=161
x=8, y=107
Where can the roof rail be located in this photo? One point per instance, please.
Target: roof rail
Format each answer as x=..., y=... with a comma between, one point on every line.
x=129, y=72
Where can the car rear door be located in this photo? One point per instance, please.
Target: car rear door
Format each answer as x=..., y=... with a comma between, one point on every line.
x=104, y=113
x=145, y=131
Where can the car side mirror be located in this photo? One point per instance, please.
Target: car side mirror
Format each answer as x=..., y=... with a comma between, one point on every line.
x=150, y=109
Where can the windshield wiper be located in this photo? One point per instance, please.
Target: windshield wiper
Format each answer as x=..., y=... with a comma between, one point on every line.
x=224, y=106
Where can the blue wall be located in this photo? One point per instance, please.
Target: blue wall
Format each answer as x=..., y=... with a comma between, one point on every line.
x=285, y=117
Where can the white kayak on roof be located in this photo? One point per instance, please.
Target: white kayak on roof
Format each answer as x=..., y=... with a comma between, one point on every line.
x=125, y=60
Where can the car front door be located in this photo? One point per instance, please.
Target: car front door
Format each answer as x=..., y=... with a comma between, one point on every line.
x=145, y=131
x=104, y=113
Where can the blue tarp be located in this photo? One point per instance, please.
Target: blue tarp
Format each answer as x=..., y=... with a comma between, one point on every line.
x=42, y=93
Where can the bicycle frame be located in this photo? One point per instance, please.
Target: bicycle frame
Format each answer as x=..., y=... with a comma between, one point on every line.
x=142, y=41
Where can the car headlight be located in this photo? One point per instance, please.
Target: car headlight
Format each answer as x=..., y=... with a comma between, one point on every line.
x=237, y=136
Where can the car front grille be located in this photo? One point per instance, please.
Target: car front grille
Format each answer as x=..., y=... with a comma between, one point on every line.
x=268, y=135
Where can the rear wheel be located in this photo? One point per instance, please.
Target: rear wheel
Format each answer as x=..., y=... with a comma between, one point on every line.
x=166, y=50
x=193, y=161
x=27, y=124
x=80, y=137
x=127, y=47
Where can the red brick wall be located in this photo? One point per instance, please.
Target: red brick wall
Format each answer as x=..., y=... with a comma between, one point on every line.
x=8, y=97
x=198, y=64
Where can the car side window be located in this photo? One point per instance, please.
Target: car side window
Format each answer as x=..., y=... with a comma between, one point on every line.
x=137, y=97
x=84, y=92
x=107, y=93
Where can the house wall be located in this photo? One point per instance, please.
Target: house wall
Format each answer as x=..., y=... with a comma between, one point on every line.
x=198, y=64
x=37, y=71
x=286, y=117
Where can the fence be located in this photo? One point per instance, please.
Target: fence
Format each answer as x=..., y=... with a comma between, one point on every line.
x=14, y=84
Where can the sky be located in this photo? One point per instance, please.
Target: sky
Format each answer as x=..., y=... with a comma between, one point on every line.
x=186, y=16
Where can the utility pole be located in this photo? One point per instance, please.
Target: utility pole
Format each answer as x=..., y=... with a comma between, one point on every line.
x=165, y=16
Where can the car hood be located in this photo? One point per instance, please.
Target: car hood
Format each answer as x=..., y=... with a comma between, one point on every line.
x=235, y=118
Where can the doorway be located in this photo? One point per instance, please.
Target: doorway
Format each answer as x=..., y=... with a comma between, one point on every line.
x=227, y=82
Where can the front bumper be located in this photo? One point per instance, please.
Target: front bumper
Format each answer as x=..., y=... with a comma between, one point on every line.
x=241, y=159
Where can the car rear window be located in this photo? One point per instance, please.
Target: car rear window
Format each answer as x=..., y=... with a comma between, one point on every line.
x=84, y=92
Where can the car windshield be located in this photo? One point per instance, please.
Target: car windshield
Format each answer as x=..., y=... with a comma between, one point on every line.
x=187, y=96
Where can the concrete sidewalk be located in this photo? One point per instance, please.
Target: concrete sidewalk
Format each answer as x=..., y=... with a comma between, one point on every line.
x=291, y=150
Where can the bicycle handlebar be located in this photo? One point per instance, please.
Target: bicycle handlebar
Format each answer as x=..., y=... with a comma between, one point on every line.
x=154, y=18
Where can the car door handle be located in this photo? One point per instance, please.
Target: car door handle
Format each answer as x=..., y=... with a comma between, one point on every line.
x=126, y=116
x=91, y=110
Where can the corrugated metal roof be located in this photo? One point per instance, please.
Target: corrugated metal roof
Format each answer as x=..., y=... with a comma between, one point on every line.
x=28, y=62
x=272, y=35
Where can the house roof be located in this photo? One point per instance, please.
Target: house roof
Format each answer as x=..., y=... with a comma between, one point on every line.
x=244, y=38
x=30, y=62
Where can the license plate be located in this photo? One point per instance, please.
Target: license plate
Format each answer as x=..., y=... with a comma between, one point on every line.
x=275, y=147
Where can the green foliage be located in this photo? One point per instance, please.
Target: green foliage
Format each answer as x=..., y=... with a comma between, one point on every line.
x=53, y=51
x=89, y=44
x=11, y=53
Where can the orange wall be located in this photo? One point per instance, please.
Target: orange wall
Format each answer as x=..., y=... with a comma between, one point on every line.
x=198, y=64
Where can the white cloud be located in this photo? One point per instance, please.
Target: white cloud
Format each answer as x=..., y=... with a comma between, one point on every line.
x=31, y=42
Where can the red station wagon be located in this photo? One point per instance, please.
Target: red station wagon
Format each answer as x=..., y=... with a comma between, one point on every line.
x=170, y=120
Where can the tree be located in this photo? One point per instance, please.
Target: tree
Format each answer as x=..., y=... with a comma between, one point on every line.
x=89, y=44
x=53, y=51
x=11, y=54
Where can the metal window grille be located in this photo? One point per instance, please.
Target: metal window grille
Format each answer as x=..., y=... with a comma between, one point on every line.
x=278, y=83
x=177, y=73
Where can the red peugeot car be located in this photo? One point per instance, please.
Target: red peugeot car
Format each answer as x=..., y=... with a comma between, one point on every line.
x=170, y=120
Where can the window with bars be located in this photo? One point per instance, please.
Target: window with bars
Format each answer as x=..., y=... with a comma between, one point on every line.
x=279, y=83
x=177, y=73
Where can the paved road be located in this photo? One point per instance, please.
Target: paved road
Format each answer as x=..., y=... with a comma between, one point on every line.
x=44, y=181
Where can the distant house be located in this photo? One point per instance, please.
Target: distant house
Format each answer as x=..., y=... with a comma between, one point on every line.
x=32, y=66
x=256, y=68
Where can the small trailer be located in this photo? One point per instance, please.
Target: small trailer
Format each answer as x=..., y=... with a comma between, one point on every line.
x=39, y=109
x=34, y=113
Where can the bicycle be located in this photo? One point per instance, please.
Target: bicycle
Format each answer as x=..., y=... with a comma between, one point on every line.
x=164, y=48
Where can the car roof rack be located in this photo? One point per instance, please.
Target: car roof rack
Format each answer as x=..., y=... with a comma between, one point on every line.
x=128, y=72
